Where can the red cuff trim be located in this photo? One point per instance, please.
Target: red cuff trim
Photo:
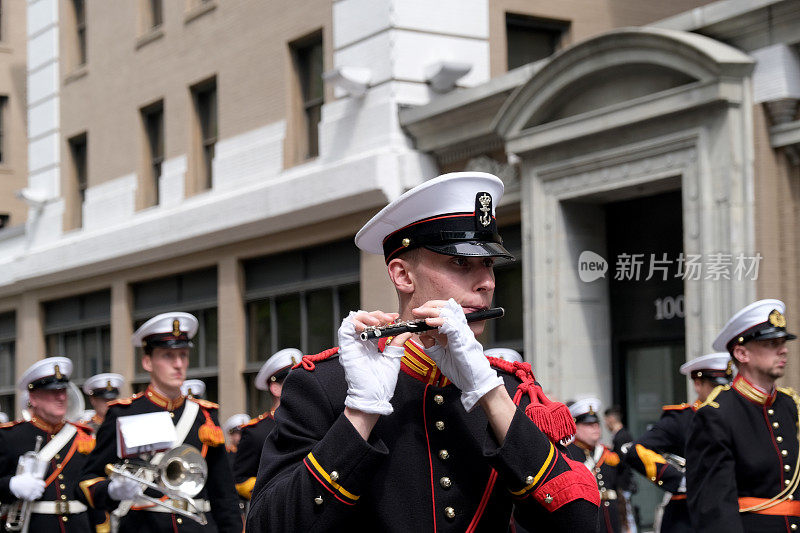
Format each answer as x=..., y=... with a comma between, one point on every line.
x=577, y=483
x=311, y=470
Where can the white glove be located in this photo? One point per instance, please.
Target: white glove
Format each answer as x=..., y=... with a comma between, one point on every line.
x=682, y=486
x=463, y=361
x=122, y=488
x=26, y=487
x=371, y=375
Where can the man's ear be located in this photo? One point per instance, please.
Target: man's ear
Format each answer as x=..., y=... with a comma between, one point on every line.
x=147, y=363
x=401, y=275
x=741, y=354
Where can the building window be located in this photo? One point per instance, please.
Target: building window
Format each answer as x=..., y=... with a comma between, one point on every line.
x=307, y=58
x=506, y=332
x=155, y=14
x=204, y=96
x=297, y=300
x=192, y=292
x=530, y=39
x=79, y=9
x=3, y=122
x=80, y=181
x=8, y=333
x=153, y=123
x=80, y=328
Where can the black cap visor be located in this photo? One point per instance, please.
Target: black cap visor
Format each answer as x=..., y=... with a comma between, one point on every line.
x=49, y=383
x=471, y=249
x=170, y=343
x=106, y=394
x=588, y=418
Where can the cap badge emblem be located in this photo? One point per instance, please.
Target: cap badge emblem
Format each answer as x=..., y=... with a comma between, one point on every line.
x=486, y=208
x=176, y=327
x=57, y=372
x=108, y=385
x=777, y=319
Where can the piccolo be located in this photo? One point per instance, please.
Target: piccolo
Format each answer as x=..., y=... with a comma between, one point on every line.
x=415, y=326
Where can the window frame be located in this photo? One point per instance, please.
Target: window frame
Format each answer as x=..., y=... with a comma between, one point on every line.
x=79, y=12
x=205, y=121
x=8, y=391
x=154, y=152
x=310, y=107
x=556, y=29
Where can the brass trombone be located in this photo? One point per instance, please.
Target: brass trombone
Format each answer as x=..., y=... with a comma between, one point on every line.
x=180, y=474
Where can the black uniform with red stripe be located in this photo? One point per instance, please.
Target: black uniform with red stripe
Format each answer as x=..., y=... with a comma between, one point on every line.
x=16, y=438
x=218, y=490
x=668, y=435
x=429, y=466
x=742, y=451
x=604, y=465
x=248, y=453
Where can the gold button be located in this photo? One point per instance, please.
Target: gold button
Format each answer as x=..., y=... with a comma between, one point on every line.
x=599, y=476
x=653, y=479
x=62, y=486
x=602, y=489
x=787, y=467
x=775, y=425
x=445, y=482
x=64, y=518
x=449, y=512
x=58, y=465
x=548, y=499
x=794, y=527
x=779, y=438
x=439, y=399
x=443, y=454
x=784, y=453
x=335, y=475
x=770, y=412
x=63, y=496
x=61, y=476
x=56, y=457
x=179, y=520
x=171, y=414
x=318, y=500
x=600, y=483
x=529, y=480
x=440, y=425
x=786, y=482
x=660, y=482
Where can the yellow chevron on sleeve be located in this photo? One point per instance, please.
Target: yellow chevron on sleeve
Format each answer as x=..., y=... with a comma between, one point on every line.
x=321, y=471
x=539, y=474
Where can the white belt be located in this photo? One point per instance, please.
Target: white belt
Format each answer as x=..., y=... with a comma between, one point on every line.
x=58, y=507
x=203, y=506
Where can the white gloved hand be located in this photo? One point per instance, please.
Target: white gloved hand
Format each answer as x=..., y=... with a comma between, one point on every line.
x=682, y=486
x=122, y=488
x=463, y=361
x=371, y=375
x=26, y=487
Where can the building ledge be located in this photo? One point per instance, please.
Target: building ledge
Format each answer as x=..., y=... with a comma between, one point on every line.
x=153, y=34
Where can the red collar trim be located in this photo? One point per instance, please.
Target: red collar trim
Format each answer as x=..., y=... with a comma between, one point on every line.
x=417, y=364
x=48, y=428
x=752, y=393
x=161, y=400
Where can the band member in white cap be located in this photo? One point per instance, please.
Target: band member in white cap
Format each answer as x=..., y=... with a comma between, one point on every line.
x=742, y=460
x=195, y=388
x=270, y=379
x=600, y=461
x=101, y=389
x=422, y=432
x=506, y=354
x=165, y=341
x=51, y=480
x=232, y=427
x=3, y=417
x=660, y=453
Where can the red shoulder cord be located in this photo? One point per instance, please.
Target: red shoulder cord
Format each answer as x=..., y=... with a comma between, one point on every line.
x=308, y=360
x=553, y=418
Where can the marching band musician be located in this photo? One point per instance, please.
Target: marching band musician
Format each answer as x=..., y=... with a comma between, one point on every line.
x=165, y=340
x=742, y=460
x=64, y=446
x=600, y=461
x=269, y=378
x=232, y=428
x=101, y=389
x=668, y=436
x=422, y=432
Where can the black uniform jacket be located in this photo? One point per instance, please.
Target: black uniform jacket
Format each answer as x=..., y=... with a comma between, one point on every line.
x=743, y=449
x=16, y=438
x=248, y=453
x=604, y=464
x=219, y=490
x=668, y=435
x=429, y=466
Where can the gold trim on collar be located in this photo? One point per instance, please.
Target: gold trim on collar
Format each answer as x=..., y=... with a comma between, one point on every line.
x=749, y=391
x=44, y=426
x=161, y=400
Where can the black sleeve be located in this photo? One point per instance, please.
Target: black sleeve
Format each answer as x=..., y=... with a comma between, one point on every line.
x=710, y=475
x=93, y=481
x=224, y=503
x=298, y=457
x=644, y=454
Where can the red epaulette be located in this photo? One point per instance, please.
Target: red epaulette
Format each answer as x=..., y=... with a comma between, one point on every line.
x=256, y=420
x=307, y=362
x=10, y=424
x=678, y=407
x=204, y=403
x=126, y=401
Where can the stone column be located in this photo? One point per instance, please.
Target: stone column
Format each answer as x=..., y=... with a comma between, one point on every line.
x=123, y=357
x=232, y=337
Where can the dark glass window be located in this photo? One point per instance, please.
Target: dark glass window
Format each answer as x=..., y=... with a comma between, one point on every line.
x=530, y=39
x=205, y=101
x=80, y=30
x=153, y=119
x=308, y=60
x=8, y=333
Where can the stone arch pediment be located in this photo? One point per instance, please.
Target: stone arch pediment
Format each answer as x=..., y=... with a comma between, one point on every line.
x=615, y=69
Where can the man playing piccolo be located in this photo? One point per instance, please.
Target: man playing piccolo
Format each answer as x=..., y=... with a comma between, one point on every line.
x=423, y=432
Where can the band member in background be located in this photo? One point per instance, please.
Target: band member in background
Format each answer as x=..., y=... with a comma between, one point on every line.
x=232, y=427
x=165, y=340
x=3, y=417
x=506, y=354
x=51, y=483
x=601, y=462
x=620, y=436
x=270, y=378
x=195, y=388
x=101, y=389
x=422, y=432
x=742, y=450
x=660, y=453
